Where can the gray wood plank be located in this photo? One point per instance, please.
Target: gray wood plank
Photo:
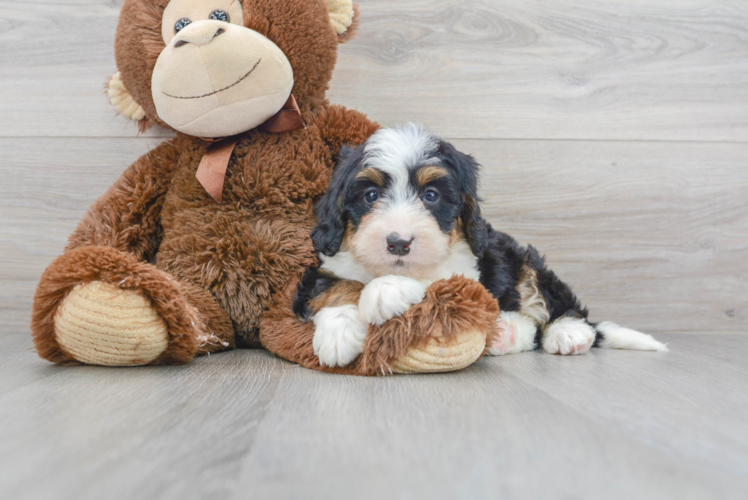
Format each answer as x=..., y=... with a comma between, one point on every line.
x=20, y=363
x=657, y=398
x=652, y=235
x=623, y=69
x=480, y=433
x=162, y=432
x=611, y=424
x=617, y=69
x=57, y=57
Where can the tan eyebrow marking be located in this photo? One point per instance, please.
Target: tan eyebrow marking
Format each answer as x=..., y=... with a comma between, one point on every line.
x=373, y=175
x=424, y=175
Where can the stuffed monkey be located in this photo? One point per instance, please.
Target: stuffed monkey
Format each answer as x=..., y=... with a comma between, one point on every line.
x=198, y=247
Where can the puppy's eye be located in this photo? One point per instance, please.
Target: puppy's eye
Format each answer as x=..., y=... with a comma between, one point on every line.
x=371, y=196
x=181, y=24
x=219, y=15
x=431, y=196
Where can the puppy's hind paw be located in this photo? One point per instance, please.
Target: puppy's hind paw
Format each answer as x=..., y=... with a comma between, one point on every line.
x=568, y=336
x=339, y=335
x=389, y=296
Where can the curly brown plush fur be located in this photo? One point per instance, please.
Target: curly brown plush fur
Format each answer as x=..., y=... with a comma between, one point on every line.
x=217, y=269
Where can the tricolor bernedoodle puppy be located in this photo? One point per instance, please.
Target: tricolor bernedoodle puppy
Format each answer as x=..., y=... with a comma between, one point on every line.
x=401, y=212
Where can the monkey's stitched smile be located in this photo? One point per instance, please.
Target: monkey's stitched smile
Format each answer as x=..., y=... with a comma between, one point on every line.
x=219, y=90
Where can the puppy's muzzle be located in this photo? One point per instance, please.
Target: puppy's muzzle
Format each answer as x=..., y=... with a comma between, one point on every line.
x=398, y=246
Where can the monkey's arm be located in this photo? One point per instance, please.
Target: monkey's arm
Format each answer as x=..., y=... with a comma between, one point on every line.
x=127, y=217
x=447, y=331
x=345, y=127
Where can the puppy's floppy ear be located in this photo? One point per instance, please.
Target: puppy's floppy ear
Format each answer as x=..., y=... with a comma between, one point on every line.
x=474, y=225
x=327, y=236
x=467, y=170
x=345, y=152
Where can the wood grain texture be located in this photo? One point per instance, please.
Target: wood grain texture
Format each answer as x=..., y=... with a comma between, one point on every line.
x=610, y=424
x=623, y=69
x=53, y=79
x=652, y=235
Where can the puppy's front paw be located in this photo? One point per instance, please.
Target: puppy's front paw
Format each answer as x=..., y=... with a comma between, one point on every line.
x=339, y=335
x=568, y=336
x=389, y=296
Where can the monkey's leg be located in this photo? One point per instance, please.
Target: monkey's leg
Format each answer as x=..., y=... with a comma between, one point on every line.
x=97, y=305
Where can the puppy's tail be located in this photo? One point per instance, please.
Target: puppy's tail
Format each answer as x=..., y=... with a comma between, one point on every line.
x=612, y=336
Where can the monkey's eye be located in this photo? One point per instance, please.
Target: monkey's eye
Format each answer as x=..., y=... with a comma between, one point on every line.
x=219, y=15
x=371, y=196
x=431, y=196
x=181, y=24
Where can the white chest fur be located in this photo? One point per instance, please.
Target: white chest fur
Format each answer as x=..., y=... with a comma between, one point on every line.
x=461, y=262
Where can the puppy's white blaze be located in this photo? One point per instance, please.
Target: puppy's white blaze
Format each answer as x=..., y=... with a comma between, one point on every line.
x=618, y=337
x=339, y=335
x=396, y=150
x=568, y=336
x=387, y=297
x=405, y=215
x=345, y=266
x=518, y=334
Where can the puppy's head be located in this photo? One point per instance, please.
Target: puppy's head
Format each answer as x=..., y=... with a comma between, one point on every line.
x=400, y=202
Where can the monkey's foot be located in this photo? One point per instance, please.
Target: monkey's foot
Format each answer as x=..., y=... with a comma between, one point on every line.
x=100, y=324
x=440, y=355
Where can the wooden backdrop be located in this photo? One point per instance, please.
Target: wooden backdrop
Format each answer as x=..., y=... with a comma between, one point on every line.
x=614, y=136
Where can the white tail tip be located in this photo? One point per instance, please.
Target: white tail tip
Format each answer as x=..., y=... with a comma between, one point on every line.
x=618, y=337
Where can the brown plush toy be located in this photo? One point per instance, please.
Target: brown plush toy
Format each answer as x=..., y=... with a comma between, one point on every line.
x=199, y=246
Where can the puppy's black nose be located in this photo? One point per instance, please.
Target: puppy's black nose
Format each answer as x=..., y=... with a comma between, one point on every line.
x=397, y=245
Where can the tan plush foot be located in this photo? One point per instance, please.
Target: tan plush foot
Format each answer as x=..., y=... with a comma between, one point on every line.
x=100, y=324
x=436, y=356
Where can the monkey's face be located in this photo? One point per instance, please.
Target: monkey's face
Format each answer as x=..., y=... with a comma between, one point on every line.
x=216, y=68
x=216, y=77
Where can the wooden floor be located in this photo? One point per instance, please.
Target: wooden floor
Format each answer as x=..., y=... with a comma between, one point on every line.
x=608, y=425
x=613, y=136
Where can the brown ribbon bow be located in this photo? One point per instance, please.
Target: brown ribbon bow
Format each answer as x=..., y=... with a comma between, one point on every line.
x=212, y=170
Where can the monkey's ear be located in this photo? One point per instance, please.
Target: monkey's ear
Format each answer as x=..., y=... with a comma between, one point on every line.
x=122, y=100
x=343, y=18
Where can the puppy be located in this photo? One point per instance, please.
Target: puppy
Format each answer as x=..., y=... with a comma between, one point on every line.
x=401, y=212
